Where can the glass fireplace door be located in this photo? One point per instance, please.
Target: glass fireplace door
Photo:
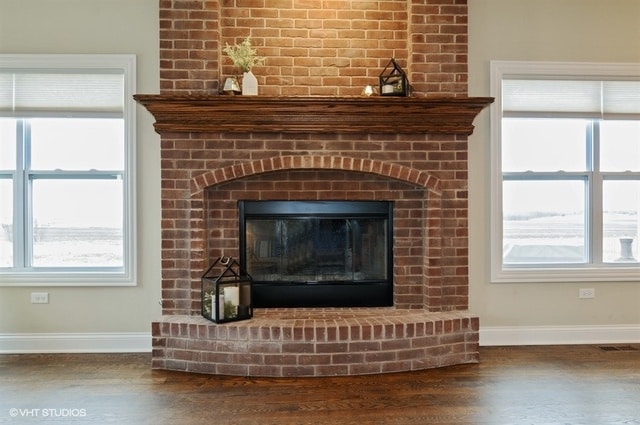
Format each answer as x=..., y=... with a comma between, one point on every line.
x=316, y=250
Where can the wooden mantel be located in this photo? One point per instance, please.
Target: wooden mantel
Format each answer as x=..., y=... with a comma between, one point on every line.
x=212, y=113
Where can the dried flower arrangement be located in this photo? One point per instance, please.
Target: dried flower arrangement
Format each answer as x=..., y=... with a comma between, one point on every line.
x=243, y=55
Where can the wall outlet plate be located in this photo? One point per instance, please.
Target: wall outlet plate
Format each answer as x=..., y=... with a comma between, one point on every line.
x=587, y=293
x=39, y=298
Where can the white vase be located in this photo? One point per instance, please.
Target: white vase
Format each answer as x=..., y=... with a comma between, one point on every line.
x=249, y=84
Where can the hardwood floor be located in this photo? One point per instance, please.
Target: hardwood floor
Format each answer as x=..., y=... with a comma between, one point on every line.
x=511, y=386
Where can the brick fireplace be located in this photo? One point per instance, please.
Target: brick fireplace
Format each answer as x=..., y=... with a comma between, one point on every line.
x=310, y=136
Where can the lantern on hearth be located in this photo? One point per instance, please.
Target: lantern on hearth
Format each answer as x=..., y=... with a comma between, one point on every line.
x=393, y=80
x=226, y=292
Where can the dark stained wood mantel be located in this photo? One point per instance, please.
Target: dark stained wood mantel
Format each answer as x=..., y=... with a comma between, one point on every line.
x=212, y=113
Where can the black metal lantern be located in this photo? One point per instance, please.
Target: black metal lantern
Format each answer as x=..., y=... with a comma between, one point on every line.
x=226, y=292
x=393, y=80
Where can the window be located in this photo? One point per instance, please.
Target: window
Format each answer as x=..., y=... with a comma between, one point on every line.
x=566, y=172
x=67, y=211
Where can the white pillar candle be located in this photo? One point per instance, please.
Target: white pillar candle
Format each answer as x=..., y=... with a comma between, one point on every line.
x=220, y=306
x=232, y=295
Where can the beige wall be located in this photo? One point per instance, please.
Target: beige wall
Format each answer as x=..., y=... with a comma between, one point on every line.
x=95, y=26
x=567, y=30
x=542, y=30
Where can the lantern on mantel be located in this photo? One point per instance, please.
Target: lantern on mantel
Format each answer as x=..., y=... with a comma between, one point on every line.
x=226, y=292
x=393, y=80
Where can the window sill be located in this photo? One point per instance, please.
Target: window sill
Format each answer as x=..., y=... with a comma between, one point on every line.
x=620, y=273
x=65, y=279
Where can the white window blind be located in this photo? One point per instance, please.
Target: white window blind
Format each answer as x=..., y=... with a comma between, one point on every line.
x=621, y=98
x=46, y=93
x=571, y=98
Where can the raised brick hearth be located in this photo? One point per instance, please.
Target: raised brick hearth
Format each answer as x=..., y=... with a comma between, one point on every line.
x=217, y=150
x=318, y=342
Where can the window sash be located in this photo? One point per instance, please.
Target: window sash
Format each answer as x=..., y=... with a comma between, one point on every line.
x=559, y=177
x=23, y=230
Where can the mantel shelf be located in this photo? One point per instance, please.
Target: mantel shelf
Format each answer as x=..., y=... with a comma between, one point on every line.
x=211, y=113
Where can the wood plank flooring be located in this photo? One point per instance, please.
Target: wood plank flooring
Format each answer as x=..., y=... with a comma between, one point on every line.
x=511, y=386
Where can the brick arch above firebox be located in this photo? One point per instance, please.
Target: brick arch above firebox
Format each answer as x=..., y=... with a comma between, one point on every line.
x=417, y=222
x=318, y=162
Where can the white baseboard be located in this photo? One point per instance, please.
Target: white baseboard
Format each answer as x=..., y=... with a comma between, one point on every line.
x=127, y=342
x=140, y=342
x=559, y=335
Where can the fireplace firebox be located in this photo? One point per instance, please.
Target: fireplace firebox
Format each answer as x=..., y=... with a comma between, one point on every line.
x=318, y=253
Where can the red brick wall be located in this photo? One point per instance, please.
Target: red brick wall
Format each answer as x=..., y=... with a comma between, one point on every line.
x=315, y=47
x=430, y=246
x=333, y=50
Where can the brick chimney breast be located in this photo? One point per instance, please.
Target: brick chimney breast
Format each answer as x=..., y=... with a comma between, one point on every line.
x=331, y=49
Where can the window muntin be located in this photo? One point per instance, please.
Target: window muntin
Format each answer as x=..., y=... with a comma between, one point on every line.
x=66, y=171
x=566, y=177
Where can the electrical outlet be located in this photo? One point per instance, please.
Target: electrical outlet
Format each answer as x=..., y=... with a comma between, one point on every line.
x=39, y=298
x=587, y=293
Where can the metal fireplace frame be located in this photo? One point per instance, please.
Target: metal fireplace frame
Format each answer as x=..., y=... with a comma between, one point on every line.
x=286, y=294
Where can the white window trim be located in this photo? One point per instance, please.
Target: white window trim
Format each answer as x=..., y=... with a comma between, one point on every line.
x=128, y=277
x=587, y=273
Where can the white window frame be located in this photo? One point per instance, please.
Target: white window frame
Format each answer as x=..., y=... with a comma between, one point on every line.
x=127, y=275
x=544, y=273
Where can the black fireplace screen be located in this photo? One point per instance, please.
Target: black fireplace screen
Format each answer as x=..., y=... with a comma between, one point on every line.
x=317, y=253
